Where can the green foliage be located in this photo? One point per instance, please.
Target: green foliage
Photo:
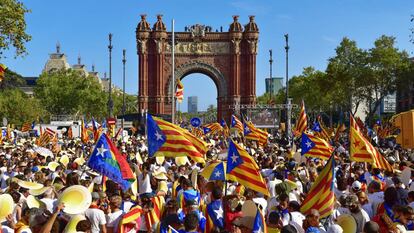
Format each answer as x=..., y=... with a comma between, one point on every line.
x=67, y=92
x=11, y=80
x=19, y=108
x=353, y=76
x=13, y=27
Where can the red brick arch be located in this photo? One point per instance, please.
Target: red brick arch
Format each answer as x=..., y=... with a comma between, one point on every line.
x=228, y=58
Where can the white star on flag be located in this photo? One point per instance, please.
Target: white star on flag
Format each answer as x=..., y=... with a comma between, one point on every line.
x=234, y=158
x=217, y=174
x=308, y=144
x=317, y=128
x=219, y=213
x=101, y=151
x=158, y=135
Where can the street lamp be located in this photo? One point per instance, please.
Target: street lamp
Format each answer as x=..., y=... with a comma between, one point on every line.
x=110, y=103
x=123, y=87
x=288, y=110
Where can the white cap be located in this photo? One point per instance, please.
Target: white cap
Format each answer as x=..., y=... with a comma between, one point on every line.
x=356, y=185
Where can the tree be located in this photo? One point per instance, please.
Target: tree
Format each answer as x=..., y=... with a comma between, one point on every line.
x=11, y=80
x=18, y=108
x=67, y=92
x=387, y=66
x=13, y=27
x=346, y=73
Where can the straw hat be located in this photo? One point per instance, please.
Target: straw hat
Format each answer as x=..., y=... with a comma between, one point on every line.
x=76, y=198
x=181, y=160
x=29, y=185
x=160, y=176
x=33, y=202
x=37, y=192
x=64, y=160
x=160, y=160
x=6, y=203
x=73, y=222
x=52, y=166
x=80, y=161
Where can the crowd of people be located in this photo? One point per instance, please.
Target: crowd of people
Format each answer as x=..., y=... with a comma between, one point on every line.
x=367, y=199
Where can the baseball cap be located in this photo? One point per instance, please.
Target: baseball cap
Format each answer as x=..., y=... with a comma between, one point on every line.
x=356, y=185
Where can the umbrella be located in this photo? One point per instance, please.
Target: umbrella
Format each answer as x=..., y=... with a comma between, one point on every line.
x=43, y=151
x=215, y=171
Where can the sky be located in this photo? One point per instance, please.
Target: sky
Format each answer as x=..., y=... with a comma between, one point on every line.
x=315, y=28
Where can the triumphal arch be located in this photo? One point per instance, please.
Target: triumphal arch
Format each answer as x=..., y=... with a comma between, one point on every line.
x=227, y=57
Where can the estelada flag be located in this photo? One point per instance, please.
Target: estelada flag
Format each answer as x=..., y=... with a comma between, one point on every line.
x=170, y=140
x=321, y=195
x=315, y=147
x=302, y=123
x=107, y=161
x=242, y=168
x=361, y=150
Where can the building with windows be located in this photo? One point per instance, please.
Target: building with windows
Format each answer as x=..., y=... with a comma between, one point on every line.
x=192, y=104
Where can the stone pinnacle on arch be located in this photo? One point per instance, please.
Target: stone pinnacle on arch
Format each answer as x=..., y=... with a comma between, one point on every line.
x=236, y=26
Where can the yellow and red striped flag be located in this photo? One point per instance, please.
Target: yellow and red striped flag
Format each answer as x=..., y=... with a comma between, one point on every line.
x=302, y=123
x=154, y=216
x=236, y=123
x=70, y=133
x=242, y=168
x=130, y=220
x=2, y=72
x=179, y=93
x=212, y=128
x=26, y=127
x=321, y=196
x=197, y=132
x=322, y=133
x=361, y=150
x=255, y=134
x=170, y=140
x=341, y=128
x=43, y=140
x=315, y=147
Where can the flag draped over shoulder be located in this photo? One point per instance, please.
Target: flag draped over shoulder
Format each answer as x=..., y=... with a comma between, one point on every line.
x=129, y=220
x=170, y=140
x=302, y=123
x=255, y=134
x=361, y=150
x=106, y=160
x=214, y=216
x=259, y=224
x=242, y=168
x=154, y=216
x=236, y=124
x=321, y=195
x=315, y=147
x=179, y=93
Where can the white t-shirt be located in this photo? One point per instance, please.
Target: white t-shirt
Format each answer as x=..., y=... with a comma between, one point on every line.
x=144, y=185
x=113, y=219
x=50, y=203
x=97, y=218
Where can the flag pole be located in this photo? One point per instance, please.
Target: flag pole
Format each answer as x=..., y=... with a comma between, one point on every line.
x=173, y=71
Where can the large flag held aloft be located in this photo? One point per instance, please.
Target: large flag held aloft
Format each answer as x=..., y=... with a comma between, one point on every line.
x=361, y=150
x=315, y=147
x=215, y=171
x=242, y=168
x=321, y=195
x=212, y=128
x=170, y=140
x=179, y=93
x=106, y=160
x=302, y=123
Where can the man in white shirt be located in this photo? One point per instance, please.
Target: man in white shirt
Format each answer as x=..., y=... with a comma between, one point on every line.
x=115, y=215
x=96, y=216
x=144, y=184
